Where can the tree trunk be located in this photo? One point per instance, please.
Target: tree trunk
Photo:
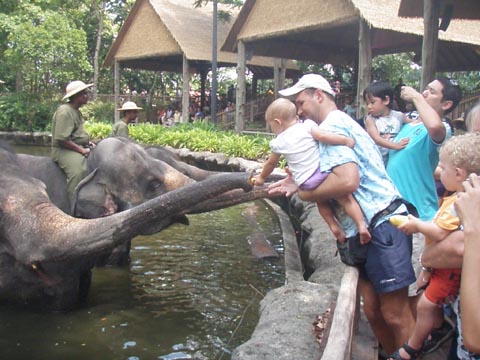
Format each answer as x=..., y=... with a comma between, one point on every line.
x=97, y=48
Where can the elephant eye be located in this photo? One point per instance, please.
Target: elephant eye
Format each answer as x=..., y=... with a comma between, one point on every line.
x=155, y=188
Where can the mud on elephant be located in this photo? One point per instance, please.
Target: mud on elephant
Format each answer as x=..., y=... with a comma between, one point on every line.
x=46, y=255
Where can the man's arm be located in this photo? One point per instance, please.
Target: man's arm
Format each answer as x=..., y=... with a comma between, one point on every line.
x=430, y=118
x=343, y=180
x=446, y=254
x=72, y=146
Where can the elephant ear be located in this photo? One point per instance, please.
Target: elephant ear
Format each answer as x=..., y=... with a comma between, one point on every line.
x=92, y=198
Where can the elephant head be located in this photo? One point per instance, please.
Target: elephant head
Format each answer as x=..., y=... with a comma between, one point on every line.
x=121, y=176
x=46, y=255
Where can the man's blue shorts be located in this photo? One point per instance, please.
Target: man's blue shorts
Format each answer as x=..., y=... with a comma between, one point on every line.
x=389, y=264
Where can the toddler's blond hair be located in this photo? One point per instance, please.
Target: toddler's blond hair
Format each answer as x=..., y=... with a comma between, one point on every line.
x=464, y=152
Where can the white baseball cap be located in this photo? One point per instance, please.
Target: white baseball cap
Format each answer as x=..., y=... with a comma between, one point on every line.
x=309, y=81
x=74, y=88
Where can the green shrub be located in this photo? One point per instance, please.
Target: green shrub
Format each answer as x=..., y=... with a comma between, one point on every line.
x=98, y=111
x=25, y=112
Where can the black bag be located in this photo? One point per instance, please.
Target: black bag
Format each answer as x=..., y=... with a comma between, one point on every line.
x=352, y=252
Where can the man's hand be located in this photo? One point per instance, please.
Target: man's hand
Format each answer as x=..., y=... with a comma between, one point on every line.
x=285, y=186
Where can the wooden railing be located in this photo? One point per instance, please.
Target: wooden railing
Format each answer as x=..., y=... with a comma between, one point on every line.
x=466, y=104
x=254, y=110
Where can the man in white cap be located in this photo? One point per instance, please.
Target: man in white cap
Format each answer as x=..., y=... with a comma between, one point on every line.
x=70, y=142
x=130, y=111
x=387, y=272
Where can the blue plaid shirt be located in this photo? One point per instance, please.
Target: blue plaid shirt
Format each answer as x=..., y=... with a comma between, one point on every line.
x=376, y=190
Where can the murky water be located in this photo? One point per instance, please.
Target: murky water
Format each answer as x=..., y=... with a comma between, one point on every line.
x=190, y=292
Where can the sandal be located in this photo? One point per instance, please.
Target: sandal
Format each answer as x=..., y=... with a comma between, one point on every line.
x=409, y=350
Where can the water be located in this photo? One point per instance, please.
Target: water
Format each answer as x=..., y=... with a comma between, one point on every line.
x=190, y=292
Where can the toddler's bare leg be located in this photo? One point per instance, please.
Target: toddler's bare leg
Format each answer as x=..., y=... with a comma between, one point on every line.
x=353, y=210
x=327, y=213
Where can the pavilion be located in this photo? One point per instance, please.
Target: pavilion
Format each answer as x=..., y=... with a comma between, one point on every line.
x=346, y=32
x=172, y=35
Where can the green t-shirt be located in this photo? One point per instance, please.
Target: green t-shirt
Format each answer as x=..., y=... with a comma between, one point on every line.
x=120, y=129
x=67, y=125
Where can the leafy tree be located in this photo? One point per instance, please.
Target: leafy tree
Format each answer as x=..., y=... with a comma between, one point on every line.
x=43, y=48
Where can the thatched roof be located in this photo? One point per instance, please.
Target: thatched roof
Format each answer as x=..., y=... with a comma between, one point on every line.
x=327, y=31
x=157, y=33
x=463, y=9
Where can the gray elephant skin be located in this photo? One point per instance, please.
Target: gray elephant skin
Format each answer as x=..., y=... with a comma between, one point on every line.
x=46, y=255
x=121, y=175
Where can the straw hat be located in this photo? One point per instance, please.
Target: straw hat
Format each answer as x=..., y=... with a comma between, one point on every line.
x=129, y=105
x=74, y=88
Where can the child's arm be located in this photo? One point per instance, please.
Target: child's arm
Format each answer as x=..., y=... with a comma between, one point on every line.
x=330, y=138
x=429, y=229
x=379, y=140
x=267, y=168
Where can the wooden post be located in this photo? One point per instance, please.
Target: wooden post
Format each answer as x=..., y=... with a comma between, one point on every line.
x=116, y=90
x=278, y=76
x=364, y=65
x=283, y=72
x=431, y=13
x=185, y=90
x=241, y=89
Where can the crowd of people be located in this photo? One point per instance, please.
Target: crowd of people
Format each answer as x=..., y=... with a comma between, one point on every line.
x=411, y=273
x=360, y=179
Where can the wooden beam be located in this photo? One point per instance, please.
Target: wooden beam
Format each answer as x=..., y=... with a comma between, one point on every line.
x=364, y=65
x=241, y=90
x=291, y=49
x=185, y=90
x=339, y=343
x=431, y=12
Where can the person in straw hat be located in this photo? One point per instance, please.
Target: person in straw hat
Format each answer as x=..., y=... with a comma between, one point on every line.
x=130, y=111
x=70, y=142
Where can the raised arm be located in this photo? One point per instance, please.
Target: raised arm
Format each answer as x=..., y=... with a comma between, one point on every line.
x=468, y=208
x=430, y=118
x=343, y=180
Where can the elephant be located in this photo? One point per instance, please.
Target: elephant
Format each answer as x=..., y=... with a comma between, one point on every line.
x=121, y=175
x=46, y=255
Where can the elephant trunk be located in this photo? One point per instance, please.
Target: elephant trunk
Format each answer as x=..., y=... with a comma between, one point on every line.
x=55, y=236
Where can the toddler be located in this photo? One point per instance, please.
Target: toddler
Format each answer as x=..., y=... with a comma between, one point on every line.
x=298, y=142
x=382, y=123
x=459, y=157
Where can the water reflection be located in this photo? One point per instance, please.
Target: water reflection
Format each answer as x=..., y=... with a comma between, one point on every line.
x=191, y=292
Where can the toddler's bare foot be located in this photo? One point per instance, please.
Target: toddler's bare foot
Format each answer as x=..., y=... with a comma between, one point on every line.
x=364, y=235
